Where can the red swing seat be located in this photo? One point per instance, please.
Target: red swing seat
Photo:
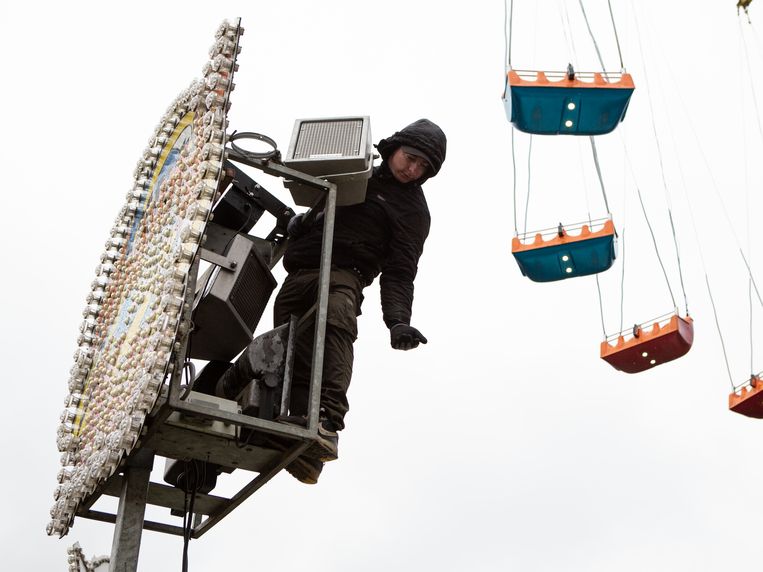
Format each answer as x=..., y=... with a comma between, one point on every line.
x=652, y=347
x=748, y=399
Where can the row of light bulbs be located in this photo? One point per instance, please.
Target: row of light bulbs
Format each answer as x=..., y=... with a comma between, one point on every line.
x=135, y=308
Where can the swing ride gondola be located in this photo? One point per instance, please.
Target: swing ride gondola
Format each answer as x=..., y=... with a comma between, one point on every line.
x=567, y=103
x=566, y=255
x=642, y=348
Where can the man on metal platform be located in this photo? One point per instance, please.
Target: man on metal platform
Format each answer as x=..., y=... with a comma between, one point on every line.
x=384, y=236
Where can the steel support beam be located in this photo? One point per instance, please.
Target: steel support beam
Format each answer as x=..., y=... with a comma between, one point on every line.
x=132, y=509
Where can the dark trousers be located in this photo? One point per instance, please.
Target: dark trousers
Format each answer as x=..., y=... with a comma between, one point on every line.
x=298, y=295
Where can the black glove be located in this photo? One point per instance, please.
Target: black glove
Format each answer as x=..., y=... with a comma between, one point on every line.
x=405, y=337
x=297, y=226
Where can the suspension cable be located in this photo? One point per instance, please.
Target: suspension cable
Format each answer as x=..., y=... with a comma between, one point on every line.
x=529, y=172
x=743, y=46
x=601, y=307
x=567, y=30
x=590, y=32
x=648, y=223
x=598, y=172
x=622, y=282
x=752, y=349
x=514, y=172
x=508, y=15
x=617, y=38
x=662, y=166
x=720, y=334
x=760, y=131
x=654, y=241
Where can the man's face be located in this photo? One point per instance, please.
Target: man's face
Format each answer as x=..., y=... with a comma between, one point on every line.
x=407, y=168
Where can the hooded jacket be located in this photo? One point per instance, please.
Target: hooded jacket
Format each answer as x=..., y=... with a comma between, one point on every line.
x=385, y=234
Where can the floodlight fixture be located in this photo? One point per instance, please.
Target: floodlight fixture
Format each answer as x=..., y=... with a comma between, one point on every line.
x=338, y=149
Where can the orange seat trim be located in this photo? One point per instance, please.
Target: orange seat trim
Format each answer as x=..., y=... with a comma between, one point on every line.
x=585, y=233
x=541, y=80
x=644, y=336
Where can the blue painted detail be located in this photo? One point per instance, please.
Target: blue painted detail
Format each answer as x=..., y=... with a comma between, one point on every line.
x=546, y=110
x=584, y=257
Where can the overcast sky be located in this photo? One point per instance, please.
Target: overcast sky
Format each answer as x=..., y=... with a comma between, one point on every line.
x=506, y=443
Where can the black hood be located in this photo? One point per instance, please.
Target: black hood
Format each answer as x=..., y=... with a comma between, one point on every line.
x=423, y=135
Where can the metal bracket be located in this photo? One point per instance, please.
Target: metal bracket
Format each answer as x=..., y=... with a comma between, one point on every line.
x=222, y=261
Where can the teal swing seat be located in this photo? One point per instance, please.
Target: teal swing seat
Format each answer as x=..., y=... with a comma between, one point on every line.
x=567, y=256
x=569, y=105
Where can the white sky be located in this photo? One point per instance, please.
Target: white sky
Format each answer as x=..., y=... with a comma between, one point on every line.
x=505, y=443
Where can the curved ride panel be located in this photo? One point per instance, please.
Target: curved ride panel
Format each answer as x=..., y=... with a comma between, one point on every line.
x=136, y=310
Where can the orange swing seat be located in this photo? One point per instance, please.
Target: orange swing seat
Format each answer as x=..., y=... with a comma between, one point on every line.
x=647, y=348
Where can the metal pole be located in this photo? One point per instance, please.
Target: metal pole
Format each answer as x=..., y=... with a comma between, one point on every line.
x=321, y=313
x=132, y=509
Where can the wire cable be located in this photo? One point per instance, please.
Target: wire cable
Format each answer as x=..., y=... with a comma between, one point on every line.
x=529, y=173
x=514, y=173
x=508, y=15
x=601, y=307
x=571, y=37
x=622, y=283
x=593, y=39
x=598, y=171
x=617, y=38
x=654, y=242
x=743, y=115
x=720, y=334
